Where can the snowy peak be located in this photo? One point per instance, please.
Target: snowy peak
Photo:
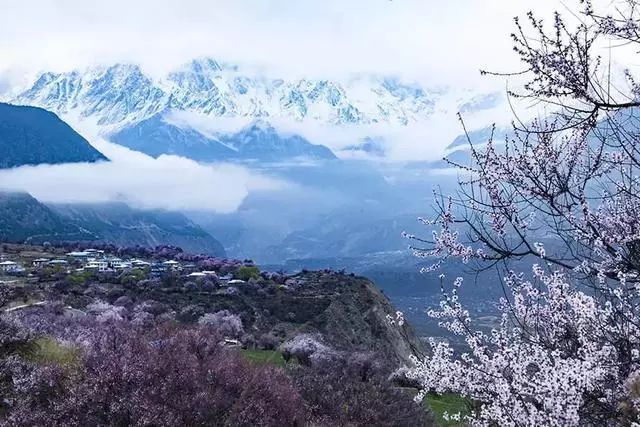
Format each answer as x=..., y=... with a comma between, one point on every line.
x=111, y=95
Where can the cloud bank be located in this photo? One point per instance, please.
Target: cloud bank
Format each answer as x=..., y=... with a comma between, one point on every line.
x=424, y=141
x=432, y=41
x=169, y=182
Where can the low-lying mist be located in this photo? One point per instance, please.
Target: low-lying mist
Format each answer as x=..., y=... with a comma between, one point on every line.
x=168, y=182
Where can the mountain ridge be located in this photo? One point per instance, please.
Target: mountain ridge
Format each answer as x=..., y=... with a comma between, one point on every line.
x=32, y=135
x=257, y=141
x=25, y=219
x=121, y=94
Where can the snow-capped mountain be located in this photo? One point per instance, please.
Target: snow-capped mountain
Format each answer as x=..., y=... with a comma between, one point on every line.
x=120, y=95
x=218, y=103
x=115, y=95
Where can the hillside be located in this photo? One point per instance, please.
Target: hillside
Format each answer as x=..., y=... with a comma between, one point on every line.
x=321, y=341
x=25, y=219
x=121, y=225
x=31, y=136
x=346, y=312
x=157, y=135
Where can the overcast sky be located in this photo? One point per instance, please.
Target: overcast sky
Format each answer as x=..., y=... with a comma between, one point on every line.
x=435, y=41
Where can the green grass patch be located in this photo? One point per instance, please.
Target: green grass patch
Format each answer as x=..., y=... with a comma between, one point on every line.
x=450, y=403
x=247, y=272
x=48, y=350
x=264, y=357
x=80, y=277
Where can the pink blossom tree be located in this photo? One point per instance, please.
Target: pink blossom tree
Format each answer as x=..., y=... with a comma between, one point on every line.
x=562, y=194
x=224, y=322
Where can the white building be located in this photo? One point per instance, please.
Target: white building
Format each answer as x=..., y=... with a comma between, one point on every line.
x=171, y=265
x=138, y=263
x=80, y=255
x=210, y=273
x=99, y=265
x=121, y=265
x=10, y=267
x=197, y=274
x=39, y=262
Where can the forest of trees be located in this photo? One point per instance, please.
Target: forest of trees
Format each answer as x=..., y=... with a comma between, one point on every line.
x=102, y=371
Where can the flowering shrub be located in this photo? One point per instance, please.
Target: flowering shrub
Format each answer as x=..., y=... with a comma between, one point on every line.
x=308, y=348
x=105, y=312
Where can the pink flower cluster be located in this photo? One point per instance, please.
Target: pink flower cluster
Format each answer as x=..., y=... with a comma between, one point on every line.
x=556, y=352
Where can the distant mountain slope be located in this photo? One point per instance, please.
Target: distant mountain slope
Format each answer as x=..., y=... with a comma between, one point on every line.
x=155, y=136
x=119, y=224
x=259, y=141
x=25, y=219
x=31, y=136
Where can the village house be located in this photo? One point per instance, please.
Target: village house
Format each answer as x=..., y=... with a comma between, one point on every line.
x=138, y=263
x=189, y=268
x=196, y=274
x=39, y=262
x=82, y=256
x=172, y=265
x=231, y=342
x=10, y=267
x=121, y=265
x=94, y=252
x=98, y=265
x=158, y=269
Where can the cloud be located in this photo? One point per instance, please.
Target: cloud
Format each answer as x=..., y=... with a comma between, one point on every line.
x=425, y=140
x=437, y=43
x=432, y=41
x=169, y=182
